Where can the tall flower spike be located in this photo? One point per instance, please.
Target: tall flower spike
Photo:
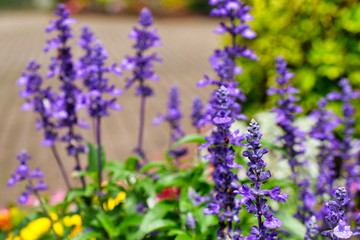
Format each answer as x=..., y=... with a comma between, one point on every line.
x=322, y=130
x=346, y=95
x=222, y=156
x=197, y=115
x=293, y=137
x=253, y=197
x=23, y=173
x=141, y=66
x=173, y=117
x=223, y=61
x=43, y=102
x=336, y=219
x=63, y=68
x=93, y=70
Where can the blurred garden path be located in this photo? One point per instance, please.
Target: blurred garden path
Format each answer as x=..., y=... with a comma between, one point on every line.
x=187, y=44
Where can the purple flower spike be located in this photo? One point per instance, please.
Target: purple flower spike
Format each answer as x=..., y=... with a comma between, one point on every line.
x=345, y=148
x=141, y=65
x=222, y=157
x=173, y=117
x=326, y=121
x=293, y=138
x=92, y=69
x=146, y=18
x=197, y=115
x=23, y=173
x=312, y=231
x=223, y=61
x=253, y=198
x=63, y=67
x=336, y=219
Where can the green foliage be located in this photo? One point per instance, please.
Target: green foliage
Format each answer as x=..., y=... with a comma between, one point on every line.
x=317, y=38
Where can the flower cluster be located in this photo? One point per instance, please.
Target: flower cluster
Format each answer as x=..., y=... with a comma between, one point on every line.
x=173, y=117
x=197, y=115
x=41, y=100
x=92, y=70
x=63, y=67
x=348, y=121
x=253, y=198
x=142, y=64
x=142, y=67
x=311, y=229
x=222, y=157
x=322, y=130
x=286, y=111
x=293, y=137
x=23, y=173
x=336, y=219
x=223, y=61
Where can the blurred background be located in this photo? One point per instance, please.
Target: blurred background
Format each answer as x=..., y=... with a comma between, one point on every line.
x=318, y=38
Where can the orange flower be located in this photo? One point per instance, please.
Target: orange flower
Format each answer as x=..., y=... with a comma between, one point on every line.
x=5, y=221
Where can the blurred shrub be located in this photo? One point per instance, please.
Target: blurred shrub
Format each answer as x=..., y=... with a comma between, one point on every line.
x=318, y=38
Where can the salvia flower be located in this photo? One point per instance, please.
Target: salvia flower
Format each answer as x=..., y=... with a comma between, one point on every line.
x=254, y=197
x=34, y=178
x=322, y=130
x=142, y=65
x=293, y=137
x=223, y=61
x=41, y=100
x=222, y=155
x=173, y=117
x=312, y=231
x=336, y=219
x=92, y=71
x=63, y=67
x=346, y=95
x=197, y=115
x=286, y=112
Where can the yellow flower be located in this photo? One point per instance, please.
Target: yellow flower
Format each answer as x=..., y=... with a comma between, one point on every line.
x=36, y=228
x=75, y=222
x=11, y=237
x=113, y=202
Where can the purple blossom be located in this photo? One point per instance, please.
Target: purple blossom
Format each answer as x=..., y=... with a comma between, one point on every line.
x=173, y=117
x=23, y=173
x=92, y=70
x=253, y=198
x=62, y=66
x=223, y=61
x=142, y=65
x=195, y=198
x=326, y=121
x=41, y=100
x=311, y=229
x=336, y=219
x=345, y=146
x=197, y=115
x=222, y=155
x=293, y=137
x=286, y=112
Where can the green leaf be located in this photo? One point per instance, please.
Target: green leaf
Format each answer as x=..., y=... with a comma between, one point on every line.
x=147, y=186
x=131, y=163
x=156, y=225
x=293, y=225
x=183, y=236
x=151, y=165
x=107, y=223
x=87, y=236
x=153, y=218
x=93, y=157
x=130, y=221
x=190, y=138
